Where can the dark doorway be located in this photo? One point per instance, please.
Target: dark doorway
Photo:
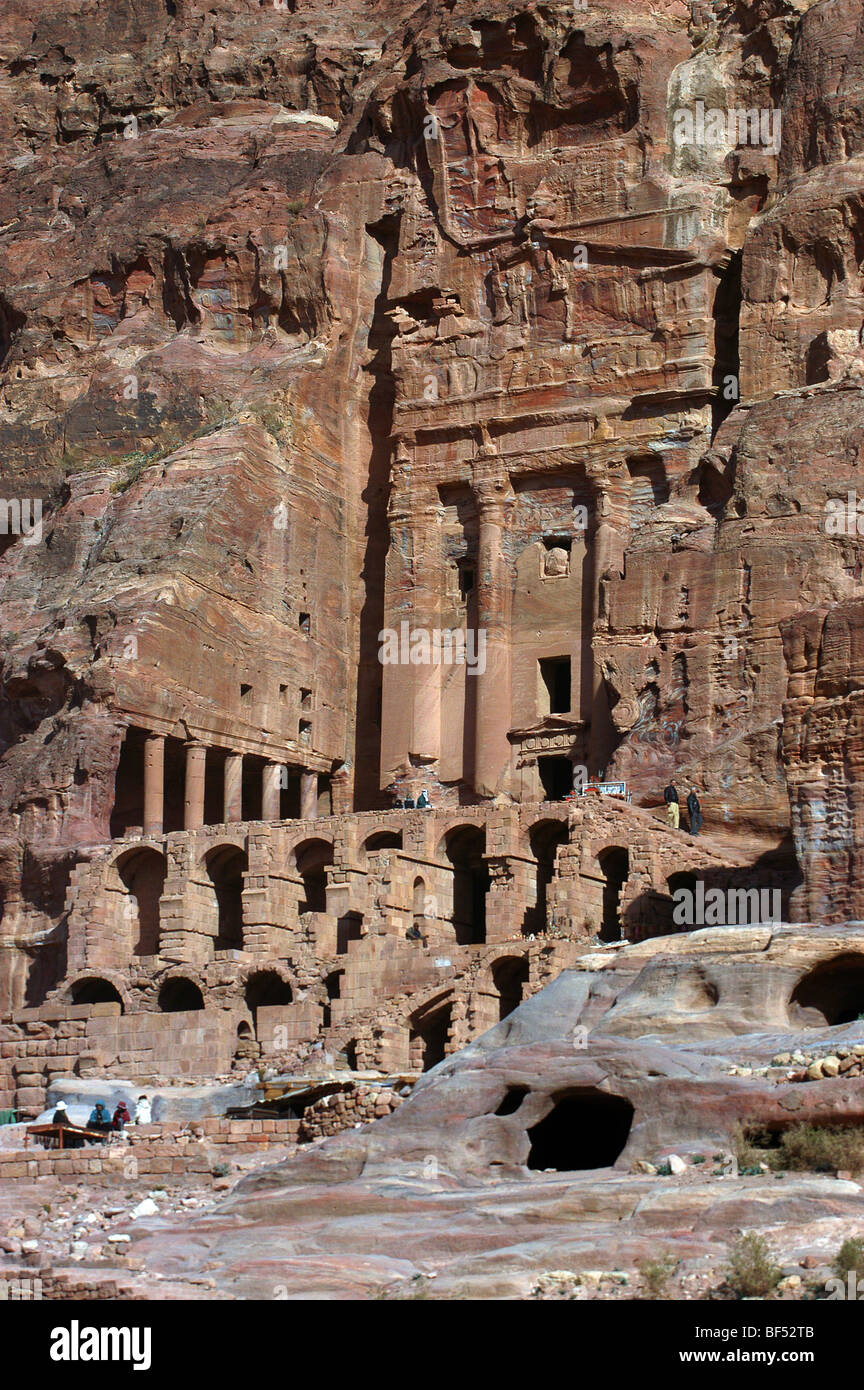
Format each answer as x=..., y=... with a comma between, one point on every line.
x=555, y=678
x=544, y=839
x=429, y=1037
x=556, y=777
x=180, y=996
x=384, y=839
x=95, y=991
x=465, y=848
x=682, y=882
x=225, y=869
x=252, y=787
x=313, y=857
x=142, y=873
x=615, y=867
x=289, y=794
x=585, y=1129
x=833, y=993
x=349, y=927
x=265, y=989
x=510, y=976
x=175, y=784
x=128, y=810
x=333, y=984
x=214, y=786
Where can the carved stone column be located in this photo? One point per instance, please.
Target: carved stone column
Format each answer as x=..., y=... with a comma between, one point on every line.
x=270, y=788
x=193, y=802
x=309, y=796
x=607, y=546
x=233, y=793
x=154, y=784
x=492, y=708
x=411, y=704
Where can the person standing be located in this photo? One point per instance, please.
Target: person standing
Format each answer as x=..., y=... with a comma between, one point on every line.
x=673, y=811
x=694, y=811
x=143, y=1112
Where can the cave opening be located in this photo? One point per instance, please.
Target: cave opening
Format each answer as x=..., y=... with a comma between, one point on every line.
x=513, y=1098
x=832, y=993
x=725, y=377
x=584, y=1129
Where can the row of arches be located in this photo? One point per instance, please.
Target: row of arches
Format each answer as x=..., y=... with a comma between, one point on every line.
x=142, y=872
x=179, y=994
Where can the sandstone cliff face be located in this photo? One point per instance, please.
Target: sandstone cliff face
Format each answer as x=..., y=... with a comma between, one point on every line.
x=428, y=279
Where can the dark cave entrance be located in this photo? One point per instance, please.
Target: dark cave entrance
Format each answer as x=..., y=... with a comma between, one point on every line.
x=585, y=1129
x=727, y=366
x=832, y=993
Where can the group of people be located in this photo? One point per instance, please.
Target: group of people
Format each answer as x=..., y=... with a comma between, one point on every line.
x=408, y=803
x=673, y=810
x=101, y=1120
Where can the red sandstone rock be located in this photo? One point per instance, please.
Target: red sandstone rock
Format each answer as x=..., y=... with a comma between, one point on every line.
x=319, y=323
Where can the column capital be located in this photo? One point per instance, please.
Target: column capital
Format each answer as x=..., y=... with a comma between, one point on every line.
x=490, y=482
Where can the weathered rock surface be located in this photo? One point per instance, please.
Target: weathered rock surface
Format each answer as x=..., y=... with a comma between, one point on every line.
x=450, y=1164
x=318, y=320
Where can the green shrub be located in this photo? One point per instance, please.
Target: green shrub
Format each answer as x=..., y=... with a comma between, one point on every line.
x=750, y=1270
x=821, y=1148
x=849, y=1257
x=655, y=1274
x=802, y=1148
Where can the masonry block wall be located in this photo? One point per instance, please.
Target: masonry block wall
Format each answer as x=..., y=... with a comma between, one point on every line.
x=390, y=937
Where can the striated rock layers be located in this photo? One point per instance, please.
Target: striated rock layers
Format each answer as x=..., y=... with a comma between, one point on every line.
x=595, y=1126
x=321, y=319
